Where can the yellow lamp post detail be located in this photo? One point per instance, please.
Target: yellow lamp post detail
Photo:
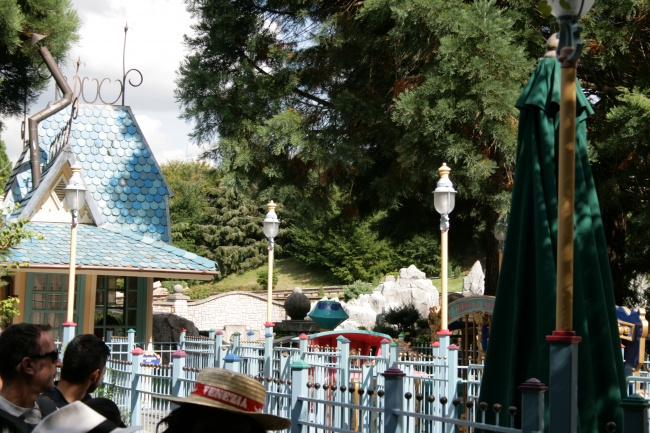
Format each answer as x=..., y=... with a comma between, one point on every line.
x=271, y=227
x=444, y=199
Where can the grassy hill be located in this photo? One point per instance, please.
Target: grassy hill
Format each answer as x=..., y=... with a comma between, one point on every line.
x=291, y=273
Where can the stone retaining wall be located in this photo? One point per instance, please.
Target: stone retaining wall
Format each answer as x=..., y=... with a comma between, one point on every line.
x=230, y=312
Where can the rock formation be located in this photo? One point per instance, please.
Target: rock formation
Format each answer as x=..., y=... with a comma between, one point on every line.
x=474, y=282
x=411, y=287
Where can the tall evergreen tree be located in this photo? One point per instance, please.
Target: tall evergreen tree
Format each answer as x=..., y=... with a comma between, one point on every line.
x=21, y=68
x=370, y=97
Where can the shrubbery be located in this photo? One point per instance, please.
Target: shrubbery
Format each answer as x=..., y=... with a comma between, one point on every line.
x=263, y=278
x=357, y=288
x=405, y=319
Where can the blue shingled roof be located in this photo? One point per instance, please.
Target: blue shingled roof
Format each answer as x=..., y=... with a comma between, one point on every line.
x=118, y=167
x=97, y=246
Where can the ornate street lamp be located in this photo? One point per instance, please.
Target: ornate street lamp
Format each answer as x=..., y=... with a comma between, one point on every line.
x=500, y=235
x=75, y=199
x=271, y=227
x=444, y=199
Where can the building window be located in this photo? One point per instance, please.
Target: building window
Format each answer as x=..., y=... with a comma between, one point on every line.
x=48, y=294
x=116, y=305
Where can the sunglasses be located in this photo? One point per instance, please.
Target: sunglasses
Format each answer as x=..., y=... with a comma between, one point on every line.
x=53, y=355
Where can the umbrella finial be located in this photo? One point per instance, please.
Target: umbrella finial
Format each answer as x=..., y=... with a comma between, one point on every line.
x=444, y=171
x=551, y=46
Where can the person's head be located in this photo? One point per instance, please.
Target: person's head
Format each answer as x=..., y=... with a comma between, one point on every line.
x=234, y=399
x=84, y=361
x=28, y=354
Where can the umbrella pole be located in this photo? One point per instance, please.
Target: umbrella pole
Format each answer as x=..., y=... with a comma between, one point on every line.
x=566, y=194
x=563, y=390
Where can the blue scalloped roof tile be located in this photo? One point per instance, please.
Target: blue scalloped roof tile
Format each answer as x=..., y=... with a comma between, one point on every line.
x=98, y=246
x=109, y=146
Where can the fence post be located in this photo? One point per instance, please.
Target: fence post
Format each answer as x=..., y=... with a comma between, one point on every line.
x=302, y=346
x=218, y=341
x=130, y=344
x=532, y=406
x=452, y=384
x=178, y=362
x=136, y=398
x=299, y=409
x=109, y=335
x=635, y=414
x=211, y=332
x=235, y=342
x=393, y=399
x=181, y=339
x=385, y=344
x=392, y=358
x=232, y=362
x=268, y=351
x=250, y=334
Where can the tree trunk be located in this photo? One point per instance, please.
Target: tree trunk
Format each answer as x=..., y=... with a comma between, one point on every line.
x=491, y=256
x=614, y=225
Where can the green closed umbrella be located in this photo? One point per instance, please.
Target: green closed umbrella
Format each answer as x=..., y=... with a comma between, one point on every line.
x=524, y=311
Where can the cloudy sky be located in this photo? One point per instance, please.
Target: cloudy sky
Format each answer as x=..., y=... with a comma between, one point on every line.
x=154, y=46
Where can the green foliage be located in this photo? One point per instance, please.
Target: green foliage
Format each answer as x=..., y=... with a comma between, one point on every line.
x=169, y=284
x=5, y=164
x=200, y=292
x=20, y=63
x=421, y=250
x=8, y=309
x=458, y=272
x=263, y=278
x=350, y=250
x=404, y=319
x=357, y=288
x=321, y=292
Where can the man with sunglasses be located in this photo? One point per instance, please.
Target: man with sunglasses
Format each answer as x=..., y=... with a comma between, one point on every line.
x=28, y=363
x=84, y=364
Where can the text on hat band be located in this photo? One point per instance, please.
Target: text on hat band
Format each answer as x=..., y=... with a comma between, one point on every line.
x=227, y=397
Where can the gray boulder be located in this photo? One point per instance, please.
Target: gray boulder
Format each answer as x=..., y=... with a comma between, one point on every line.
x=474, y=282
x=166, y=327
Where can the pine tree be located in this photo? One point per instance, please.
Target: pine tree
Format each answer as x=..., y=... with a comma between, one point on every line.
x=21, y=67
x=5, y=164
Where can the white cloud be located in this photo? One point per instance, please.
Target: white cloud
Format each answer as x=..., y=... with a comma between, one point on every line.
x=154, y=46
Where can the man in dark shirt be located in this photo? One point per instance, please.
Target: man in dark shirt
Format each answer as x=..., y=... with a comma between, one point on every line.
x=84, y=364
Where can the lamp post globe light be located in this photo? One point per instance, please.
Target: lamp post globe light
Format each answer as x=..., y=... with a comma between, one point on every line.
x=75, y=199
x=500, y=235
x=271, y=227
x=444, y=199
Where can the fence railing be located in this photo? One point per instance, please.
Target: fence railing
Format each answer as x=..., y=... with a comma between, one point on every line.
x=328, y=389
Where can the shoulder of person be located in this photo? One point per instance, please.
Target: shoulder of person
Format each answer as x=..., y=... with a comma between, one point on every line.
x=46, y=405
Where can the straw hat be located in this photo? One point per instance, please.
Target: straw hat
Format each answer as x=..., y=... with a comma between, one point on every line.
x=78, y=418
x=232, y=392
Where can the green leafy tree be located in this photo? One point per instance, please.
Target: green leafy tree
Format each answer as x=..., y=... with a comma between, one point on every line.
x=192, y=183
x=263, y=278
x=21, y=67
x=304, y=97
x=5, y=164
x=357, y=288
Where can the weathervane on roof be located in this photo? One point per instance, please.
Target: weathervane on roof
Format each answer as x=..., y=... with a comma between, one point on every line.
x=79, y=82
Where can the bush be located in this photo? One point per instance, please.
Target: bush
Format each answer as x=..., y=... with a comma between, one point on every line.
x=357, y=288
x=169, y=284
x=405, y=319
x=199, y=292
x=263, y=278
x=458, y=272
x=321, y=292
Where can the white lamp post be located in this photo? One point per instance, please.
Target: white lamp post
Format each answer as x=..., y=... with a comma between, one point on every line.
x=271, y=227
x=75, y=199
x=444, y=199
x=500, y=235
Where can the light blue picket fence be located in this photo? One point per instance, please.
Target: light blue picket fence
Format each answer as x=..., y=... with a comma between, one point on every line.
x=323, y=389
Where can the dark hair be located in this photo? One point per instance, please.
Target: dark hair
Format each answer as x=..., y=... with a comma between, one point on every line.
x=17, y=342
x=83, y=355
x=188, y=414
x=106, y=408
